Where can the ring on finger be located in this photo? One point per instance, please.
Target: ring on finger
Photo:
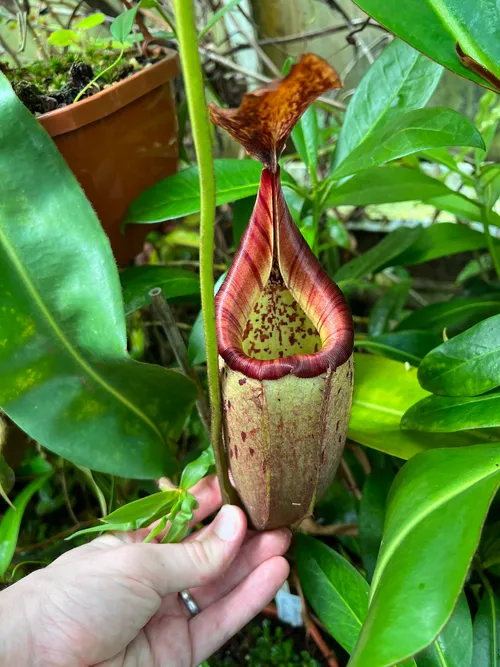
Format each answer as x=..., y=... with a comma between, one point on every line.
x=189, y=603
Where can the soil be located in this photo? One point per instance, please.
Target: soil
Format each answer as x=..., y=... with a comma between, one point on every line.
x=46, y=86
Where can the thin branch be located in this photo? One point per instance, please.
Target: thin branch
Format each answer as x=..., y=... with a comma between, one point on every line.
x=310, y=526
x=347, y=472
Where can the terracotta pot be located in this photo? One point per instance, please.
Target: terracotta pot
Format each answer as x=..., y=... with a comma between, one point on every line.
x=120, y=142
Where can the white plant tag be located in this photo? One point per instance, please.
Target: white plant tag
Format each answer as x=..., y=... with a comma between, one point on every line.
x=289, y=606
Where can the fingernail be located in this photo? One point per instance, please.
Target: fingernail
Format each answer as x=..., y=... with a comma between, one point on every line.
x=227, y=522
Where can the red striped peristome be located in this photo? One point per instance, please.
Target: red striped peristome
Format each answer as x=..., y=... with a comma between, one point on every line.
x=273, y=238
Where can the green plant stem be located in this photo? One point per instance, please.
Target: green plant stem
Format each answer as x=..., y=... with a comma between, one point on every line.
x=113, y=64
x=166, y=18
x=491, y=596
x=200, y=127
x=489, y=238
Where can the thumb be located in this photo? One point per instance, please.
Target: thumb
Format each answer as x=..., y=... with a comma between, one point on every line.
x=169, y=568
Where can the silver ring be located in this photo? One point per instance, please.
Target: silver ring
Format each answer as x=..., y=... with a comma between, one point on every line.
x=190, y=603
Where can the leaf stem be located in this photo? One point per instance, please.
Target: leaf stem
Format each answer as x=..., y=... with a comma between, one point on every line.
x=200, y=127
x=113, y=64
x=489, y=238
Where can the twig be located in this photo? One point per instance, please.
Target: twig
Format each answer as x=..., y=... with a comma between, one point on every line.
x=360, y=454
x=67, y=500
x=55, y=538
x=255, y=45
x=254, y=75
x=288, y=39
x=312, y=528
x=329, y=656
x=10, y=51
x=164, y=314
x=350, y=478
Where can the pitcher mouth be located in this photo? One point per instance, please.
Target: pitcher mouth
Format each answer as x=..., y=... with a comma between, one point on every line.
x=278, y=312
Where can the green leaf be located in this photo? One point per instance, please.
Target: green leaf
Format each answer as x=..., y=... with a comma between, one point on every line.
x=435, y=513
x=441, y=240
x=410, y=346
x=65, y=376
x=305, y=137
x=196, y=344
x=383, y=392
x=242, y=211
x=400, y=80
x=142, y=512
x=453, y=647
x=466, y=365
x=388, y=308
x=180, y=518
x=179, y=195
x=435, y=27
x=453, y=313
x=334, y=588
x=123, y=24
x=218, y=15
x=380, y=255
x=91, y=21
x=412, y=132
x=372, y=515
x=139, y=280
x=486, y=632
x=11, y=521
x=443, y=414
x=196, y=470
x=63, y=38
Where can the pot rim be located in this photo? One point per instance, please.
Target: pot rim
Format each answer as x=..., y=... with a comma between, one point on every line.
x=114, y=98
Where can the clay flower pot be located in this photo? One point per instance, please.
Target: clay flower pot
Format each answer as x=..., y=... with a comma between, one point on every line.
x=120, y=142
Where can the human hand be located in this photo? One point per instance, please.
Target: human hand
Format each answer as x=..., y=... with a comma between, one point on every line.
x=114, y=602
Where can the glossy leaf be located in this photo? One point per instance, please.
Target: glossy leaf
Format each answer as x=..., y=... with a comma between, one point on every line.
x=142, y=512
x=63, y=38
x=196, y=470
x=486, y=631
x=380, y=255
x=123, y=24
x=91, y=21
x=388, y=308
x=139, y=280
x=65, y=376
x=435, y=27
x=400, y=80
x=466, y=365
x=447, y=414
x=11, y=521
x=334, y=589
x=305, y=137
x=179, y=194
x=409, y=133
x=435, y=513
x=410, y=346
x=378, y=407
x=441, y=240
x=452, y=313
x=453, y=647
x=372, y=516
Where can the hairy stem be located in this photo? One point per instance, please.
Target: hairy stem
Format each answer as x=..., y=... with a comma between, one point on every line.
x=193, y=82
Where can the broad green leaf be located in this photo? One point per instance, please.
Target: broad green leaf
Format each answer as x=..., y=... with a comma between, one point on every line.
x=409, y=133
x=372, y=515
x=142, y=512
x=334, y=588
x=380, y=255
x=410, y=346
x=11, y=521
x=139, y=280
x=388, y=308
x=447, y=414
x=231, y=4
x=123, y=24
x=91, y=21
x=400, y=80
x=435, y=27
x=65, y=376
x=196, y=344
x=179, y=195
x=63, y=38
x=305, y=137
x=486, y=632
x=383, y=391
x=453, y=647
x=466, y=365
x=436, y=509
x=453, y=313
x=196, y=470
x=101, y=528
x=242, y=211
x=180, y=518
x=441, y=240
